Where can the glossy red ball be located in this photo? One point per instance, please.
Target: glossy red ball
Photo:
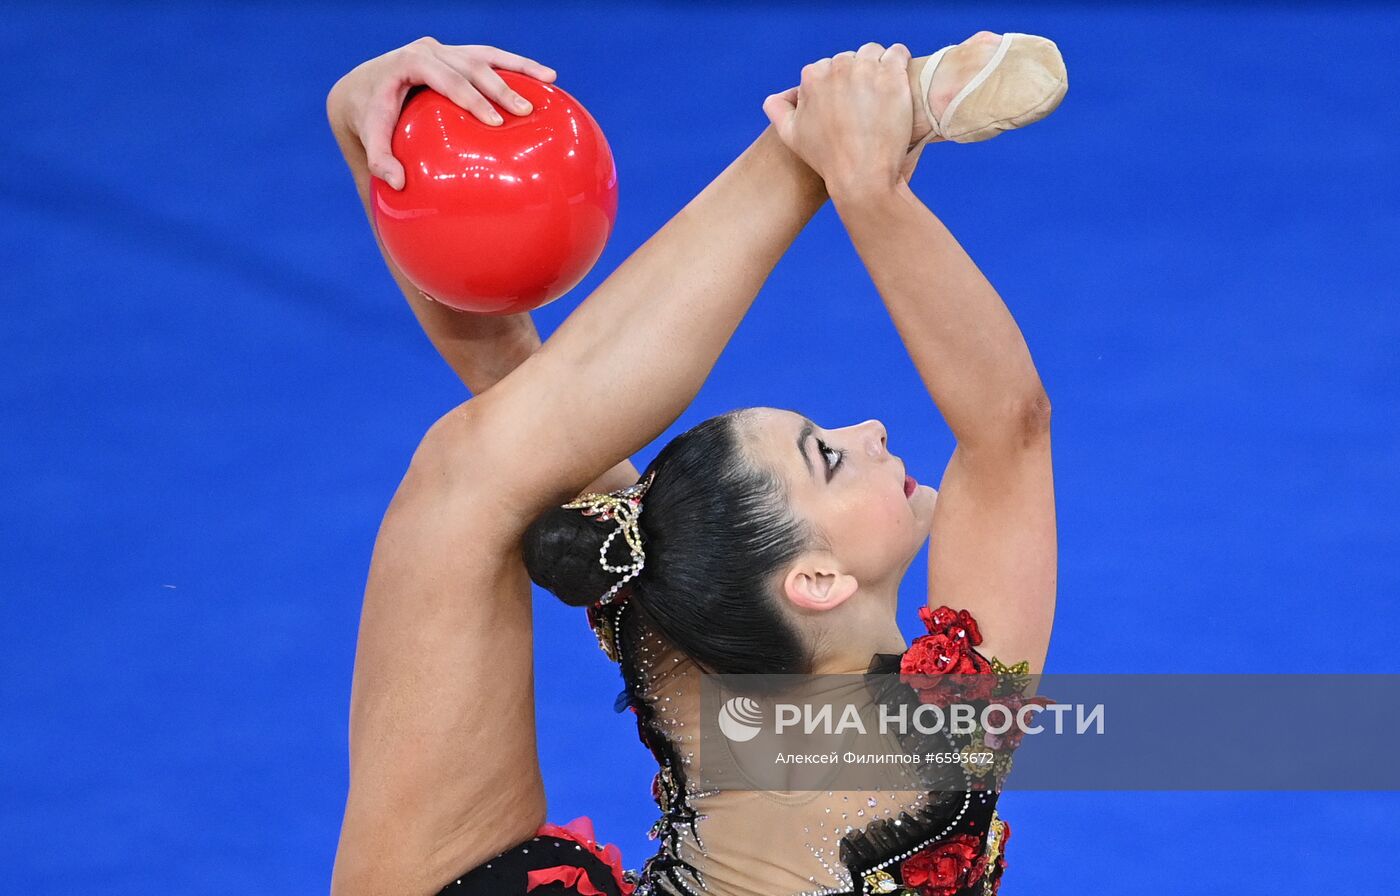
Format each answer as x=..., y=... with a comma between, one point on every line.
x=498, y=219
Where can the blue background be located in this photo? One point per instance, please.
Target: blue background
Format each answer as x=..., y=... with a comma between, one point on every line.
x=211, y=387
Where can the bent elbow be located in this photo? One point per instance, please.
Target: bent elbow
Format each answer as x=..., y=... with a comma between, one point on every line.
x=1011, y=426
x=1033, y=419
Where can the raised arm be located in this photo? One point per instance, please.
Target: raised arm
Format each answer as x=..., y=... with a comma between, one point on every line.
x=993, y=539
x=363, y=108
x=993, y=536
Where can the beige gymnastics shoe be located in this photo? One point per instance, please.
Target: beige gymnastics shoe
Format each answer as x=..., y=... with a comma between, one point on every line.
x=1023, y=82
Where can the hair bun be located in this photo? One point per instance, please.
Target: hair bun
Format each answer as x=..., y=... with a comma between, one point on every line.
x=561, y=555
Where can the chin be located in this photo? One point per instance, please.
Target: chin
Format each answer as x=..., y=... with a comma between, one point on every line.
x=925, y=496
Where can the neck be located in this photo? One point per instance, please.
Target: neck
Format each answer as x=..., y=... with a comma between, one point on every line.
x=864, y=626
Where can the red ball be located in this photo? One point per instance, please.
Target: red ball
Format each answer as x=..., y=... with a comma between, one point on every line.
x=498, y=220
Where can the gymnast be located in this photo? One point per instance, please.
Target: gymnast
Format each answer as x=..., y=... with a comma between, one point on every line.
x=758, y=541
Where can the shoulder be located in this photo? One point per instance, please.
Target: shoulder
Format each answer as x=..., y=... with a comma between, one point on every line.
x=949, y=647
x=945, y=665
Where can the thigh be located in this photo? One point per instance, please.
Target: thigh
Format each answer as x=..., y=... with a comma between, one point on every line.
x=444, y=771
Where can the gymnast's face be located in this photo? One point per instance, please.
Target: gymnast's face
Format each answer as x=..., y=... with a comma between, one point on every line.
x=853, y=492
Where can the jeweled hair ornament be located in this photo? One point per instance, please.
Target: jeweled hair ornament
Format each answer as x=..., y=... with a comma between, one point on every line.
x=624, y=507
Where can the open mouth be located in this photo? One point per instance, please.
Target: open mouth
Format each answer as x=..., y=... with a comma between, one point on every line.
x=910, y=483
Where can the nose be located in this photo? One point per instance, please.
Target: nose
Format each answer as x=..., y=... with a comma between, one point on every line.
x=876, y=438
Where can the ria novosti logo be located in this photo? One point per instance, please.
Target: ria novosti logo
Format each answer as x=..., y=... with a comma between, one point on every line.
x=740, y=719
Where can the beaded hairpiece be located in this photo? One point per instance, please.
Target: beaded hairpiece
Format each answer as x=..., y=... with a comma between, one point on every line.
x=624, y=507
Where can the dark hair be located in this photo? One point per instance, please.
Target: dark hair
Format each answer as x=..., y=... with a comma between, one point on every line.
x=715, y=528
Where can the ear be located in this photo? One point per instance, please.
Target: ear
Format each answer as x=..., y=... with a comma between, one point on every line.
x=816, y=582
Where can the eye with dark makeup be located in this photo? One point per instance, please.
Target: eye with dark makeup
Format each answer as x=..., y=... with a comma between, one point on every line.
x=826, y=452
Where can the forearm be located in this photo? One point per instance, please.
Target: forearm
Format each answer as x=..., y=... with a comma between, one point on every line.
x=963, y=340
x=479, y=348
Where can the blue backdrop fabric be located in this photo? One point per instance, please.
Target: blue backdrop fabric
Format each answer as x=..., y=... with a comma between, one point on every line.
x=212, y=387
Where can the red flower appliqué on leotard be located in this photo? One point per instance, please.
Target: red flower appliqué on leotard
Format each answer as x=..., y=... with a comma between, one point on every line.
x=946, y=867
x=948, y=650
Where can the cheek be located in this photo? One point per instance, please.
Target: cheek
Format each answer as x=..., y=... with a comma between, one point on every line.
x=884, y=523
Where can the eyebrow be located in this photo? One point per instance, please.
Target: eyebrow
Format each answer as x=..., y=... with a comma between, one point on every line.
x=802, y=438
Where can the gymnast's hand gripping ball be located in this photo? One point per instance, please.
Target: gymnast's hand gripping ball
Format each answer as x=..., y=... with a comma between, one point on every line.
x=498, y=220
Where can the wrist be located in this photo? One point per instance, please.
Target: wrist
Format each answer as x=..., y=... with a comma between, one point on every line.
x=857, y=198
x=491, y=347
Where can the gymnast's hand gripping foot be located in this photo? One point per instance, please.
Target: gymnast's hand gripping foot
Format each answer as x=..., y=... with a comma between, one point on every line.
x=445, y=786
